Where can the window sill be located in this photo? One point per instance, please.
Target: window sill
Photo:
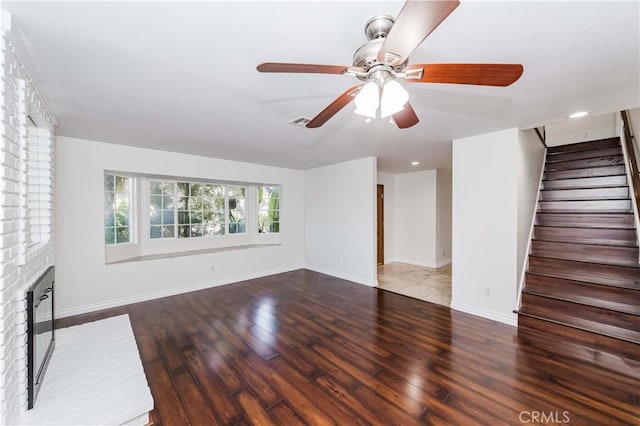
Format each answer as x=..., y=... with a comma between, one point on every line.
x=189, y=253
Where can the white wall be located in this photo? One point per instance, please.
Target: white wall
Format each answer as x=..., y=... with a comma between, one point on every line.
x=485, y=222
x=588, y=128
x=389, y=182
x=85, y=283
x=443, y=219
x=423, y=218
x=416, y=234
x=340, y=220
x=530, y=163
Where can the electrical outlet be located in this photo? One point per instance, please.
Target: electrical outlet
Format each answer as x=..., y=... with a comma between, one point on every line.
x=441, y=252
x=487, y=292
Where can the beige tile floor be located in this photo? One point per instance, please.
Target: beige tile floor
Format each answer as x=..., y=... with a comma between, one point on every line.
x=432, y=285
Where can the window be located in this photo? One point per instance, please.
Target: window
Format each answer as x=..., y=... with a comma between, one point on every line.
x=39, y=184
x=268, y=209
x=162, y=216
x=195, y=209
x=237, y=210
x=117, y=209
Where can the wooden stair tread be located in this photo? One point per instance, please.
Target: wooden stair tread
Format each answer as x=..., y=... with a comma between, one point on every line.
x=584, y=324
x=592, y=253
x=553, y=307
x=577, y=211
x=577, y=194
x=563, y=333
x=595, y=301
x=584, y=146
x=581, y=155
x=589, y=172
x=585, y=182
x=600, y=359
x=586, y=235
x=607, y=297
x=611, y=275
x=585, y=240
x=610, y=160
x=615, y=220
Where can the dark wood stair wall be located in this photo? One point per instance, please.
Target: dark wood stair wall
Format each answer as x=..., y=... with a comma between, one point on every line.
x=582, y=284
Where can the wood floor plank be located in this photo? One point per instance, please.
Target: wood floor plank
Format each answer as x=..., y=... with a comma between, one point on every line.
x=260, y=387
x=196, y=406
x=254, y=413
x=305, y=348
x=168, y=405
x=284, y=415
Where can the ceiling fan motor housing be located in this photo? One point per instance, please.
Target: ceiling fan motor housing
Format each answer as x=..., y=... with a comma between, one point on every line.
x=366, y=57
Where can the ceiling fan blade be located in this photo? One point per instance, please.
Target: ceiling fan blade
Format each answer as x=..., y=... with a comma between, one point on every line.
x=416, y=20
x=477, y=74
x=406, y=118
x=302, y=68
x=335, y=106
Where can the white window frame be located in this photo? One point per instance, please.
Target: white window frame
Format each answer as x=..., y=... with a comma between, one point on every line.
x=279, y=208
x=145, y=246
x=125, y=250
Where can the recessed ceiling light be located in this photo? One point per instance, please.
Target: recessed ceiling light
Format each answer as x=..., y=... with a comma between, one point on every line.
x=578, y=114
x=415, y=163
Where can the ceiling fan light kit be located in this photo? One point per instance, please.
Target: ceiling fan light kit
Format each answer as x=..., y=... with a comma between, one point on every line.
x=394, y=98
x=384, y=58
x=367, y=100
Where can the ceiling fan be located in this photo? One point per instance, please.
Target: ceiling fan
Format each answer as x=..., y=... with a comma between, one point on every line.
x=384, y=58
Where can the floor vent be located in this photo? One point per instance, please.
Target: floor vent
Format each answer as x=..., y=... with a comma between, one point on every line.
x=300, y=121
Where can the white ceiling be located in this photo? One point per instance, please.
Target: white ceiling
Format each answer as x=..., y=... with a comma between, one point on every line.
x=181, y=76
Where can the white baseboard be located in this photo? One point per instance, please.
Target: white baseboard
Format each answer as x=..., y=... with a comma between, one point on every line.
x=348, y=277
x=509, y=319
x=443, y=262
x=438, y=264
x=113, y=303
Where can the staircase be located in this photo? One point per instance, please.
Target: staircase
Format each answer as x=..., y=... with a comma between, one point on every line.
x=582, y=285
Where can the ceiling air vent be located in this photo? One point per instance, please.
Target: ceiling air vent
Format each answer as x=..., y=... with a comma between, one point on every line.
x=300, y=121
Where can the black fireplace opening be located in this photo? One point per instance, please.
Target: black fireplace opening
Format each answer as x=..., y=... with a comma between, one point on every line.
x=40, y=331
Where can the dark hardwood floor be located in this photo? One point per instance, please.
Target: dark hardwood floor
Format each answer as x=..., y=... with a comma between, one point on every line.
x=306, y=348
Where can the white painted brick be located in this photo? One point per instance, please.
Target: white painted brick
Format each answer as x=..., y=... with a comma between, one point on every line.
x=15, y=278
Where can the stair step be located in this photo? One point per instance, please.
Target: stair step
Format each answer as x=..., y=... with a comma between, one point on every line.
x=576, y=334
x=611, y=255
x=576, y=183
x=594, y=206
x=554, y=312
x=581, y=155
x=606, y=297
x=584, y=173
x=557, y=309
x=603, y=236
x=587, y=220
x=609, y=160
x=611, y=275
x=608, y=366
x=585, y=193
x=584, y=146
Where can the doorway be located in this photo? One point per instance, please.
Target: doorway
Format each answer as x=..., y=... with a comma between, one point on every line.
x=380, y=227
